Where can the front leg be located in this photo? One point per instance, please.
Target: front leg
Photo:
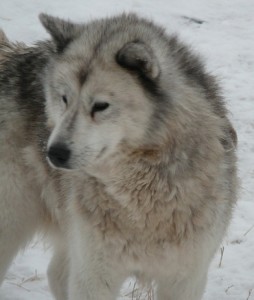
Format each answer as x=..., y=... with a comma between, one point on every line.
x=191, y=287
x=58, y=272
x=94, y=275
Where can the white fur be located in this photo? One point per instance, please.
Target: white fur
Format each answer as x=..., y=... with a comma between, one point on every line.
x=151, y=179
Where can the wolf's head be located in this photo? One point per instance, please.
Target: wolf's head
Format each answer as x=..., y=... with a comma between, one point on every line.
x=101, y=87
x=118, y=86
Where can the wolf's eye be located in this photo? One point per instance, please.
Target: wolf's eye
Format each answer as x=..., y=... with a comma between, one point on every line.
x=65, y=100
x=99, y=106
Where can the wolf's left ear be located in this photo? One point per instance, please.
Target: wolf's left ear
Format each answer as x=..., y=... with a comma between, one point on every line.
x=139, y=57
x=62, y=32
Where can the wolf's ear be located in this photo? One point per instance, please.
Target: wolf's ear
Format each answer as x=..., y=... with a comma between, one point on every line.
x=139, y=57
x=62, y=32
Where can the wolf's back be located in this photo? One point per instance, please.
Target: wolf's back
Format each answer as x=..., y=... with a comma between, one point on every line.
x=21, y=86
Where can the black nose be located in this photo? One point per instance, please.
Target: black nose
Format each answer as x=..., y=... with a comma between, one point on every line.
x=59, y=155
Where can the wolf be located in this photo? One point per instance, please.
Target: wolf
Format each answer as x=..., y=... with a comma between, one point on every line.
x=116, y=143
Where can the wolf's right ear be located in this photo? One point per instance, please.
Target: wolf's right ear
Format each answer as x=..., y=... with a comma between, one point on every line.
x=62, y=32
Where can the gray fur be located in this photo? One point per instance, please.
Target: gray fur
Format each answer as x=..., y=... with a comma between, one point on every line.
x=150, y=148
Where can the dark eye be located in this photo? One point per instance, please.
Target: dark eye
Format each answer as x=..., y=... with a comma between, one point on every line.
x=65, y=100
x=99, y=106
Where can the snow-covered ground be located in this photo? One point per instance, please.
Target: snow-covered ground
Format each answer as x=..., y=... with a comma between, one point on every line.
x=225, y=38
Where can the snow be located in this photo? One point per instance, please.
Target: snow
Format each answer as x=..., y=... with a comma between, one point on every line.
x=226, y=41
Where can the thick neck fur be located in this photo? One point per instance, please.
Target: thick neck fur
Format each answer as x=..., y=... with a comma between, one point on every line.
x=152, y=199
